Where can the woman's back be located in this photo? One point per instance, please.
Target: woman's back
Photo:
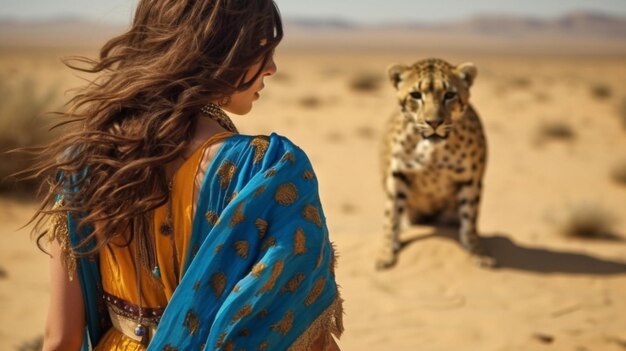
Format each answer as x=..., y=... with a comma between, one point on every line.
x=119, y=265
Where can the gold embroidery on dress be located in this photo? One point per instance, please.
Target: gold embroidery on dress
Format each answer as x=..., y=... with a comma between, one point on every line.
x=293, y=284
x=289, y=157
x=218, y=283
x=237, y=288
x=229, y=346
x=197, y=285
x=220, y=340
x=212, y=217
x=286, y=194
x=58, y=231
x=269, y=285
x=259, y=190
x=243, y=312
x=264, y=346
x=284, y=325
x=315, y=292
x=299, y=242
x=219, y=248
x=258, y=269
x=226, y=172
x=260, y=144
x=244, y=332
x=261, y=225
x=308, y=175
x=241, y=247
x=320, y=257
x=232, y=197
x=311, y=213
x=270, y=173
x=238, y=217
x=169, y=347
x=191, y=322
x=267, y=243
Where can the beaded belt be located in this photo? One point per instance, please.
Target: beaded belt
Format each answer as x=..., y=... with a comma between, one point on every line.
x=136, y=323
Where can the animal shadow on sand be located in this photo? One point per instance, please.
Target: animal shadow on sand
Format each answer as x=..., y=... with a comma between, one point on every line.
x=510, y=255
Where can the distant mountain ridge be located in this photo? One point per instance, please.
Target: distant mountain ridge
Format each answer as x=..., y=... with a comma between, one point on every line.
x=577, y=32
x=588, y=23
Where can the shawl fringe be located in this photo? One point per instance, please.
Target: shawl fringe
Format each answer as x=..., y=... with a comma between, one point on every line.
x=329, y=322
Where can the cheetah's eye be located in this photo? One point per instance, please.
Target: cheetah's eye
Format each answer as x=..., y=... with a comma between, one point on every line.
x=449, y=96
x=416, y=95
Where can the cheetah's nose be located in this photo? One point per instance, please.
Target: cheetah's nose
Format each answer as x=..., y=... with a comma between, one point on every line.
x=435, y=123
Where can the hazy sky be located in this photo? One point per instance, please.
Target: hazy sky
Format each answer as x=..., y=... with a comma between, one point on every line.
x=356, y=10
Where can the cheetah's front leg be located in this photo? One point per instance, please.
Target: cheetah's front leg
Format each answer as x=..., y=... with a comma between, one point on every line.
x=397, y=187
x=469, y=201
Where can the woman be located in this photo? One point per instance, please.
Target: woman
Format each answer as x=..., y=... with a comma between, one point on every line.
x=169, y=230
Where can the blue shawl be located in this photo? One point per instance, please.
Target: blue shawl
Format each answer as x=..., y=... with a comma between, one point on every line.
x=259, y=271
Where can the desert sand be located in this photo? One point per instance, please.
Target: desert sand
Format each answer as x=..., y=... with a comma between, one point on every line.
x=551, y=291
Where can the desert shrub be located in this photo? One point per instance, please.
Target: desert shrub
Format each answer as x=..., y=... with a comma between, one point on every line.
x=619, y=172
x=621, y=112
x=22, y=124
x=589, y=221
x=366, y=82
x=601, y=91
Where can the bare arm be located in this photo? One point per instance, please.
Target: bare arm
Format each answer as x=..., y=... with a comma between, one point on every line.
x=66, y=323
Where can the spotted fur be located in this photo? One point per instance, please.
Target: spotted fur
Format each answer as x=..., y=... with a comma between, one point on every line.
x=434, y=154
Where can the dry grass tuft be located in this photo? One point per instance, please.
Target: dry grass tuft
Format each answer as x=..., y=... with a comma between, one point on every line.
x=601, y=91
x=619, y=173
x=542, y=97
x=555, y=130
x=335, y=137
x=36, y=344
x=366, y=82
x=348, y=208
x=310, y=102
x=589, y=222
x=521, y=82
x=366, y=132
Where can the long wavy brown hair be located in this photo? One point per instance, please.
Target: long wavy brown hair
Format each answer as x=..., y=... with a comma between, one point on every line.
x=141, y=111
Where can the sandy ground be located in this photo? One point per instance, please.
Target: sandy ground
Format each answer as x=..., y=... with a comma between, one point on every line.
x=551, y=292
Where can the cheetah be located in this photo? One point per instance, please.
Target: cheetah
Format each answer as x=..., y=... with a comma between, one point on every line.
x=434, y=155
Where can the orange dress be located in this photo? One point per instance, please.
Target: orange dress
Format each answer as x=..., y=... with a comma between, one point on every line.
x=118, y=263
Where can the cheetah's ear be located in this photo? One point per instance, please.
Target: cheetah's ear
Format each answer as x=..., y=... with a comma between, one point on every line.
x=467, y=71
x=395, y=72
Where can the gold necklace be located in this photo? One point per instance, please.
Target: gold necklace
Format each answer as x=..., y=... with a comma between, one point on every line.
x=215, y=113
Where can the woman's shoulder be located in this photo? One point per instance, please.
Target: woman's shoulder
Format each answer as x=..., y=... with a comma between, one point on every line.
x=273, y=138
x=270, y=147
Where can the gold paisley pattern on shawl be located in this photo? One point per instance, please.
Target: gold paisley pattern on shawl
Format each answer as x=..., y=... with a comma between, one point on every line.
x=287, y=297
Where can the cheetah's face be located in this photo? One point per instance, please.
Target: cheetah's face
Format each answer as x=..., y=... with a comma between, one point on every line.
x=433, y=94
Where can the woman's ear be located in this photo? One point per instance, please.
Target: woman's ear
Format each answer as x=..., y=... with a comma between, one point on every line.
x=394, y=72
